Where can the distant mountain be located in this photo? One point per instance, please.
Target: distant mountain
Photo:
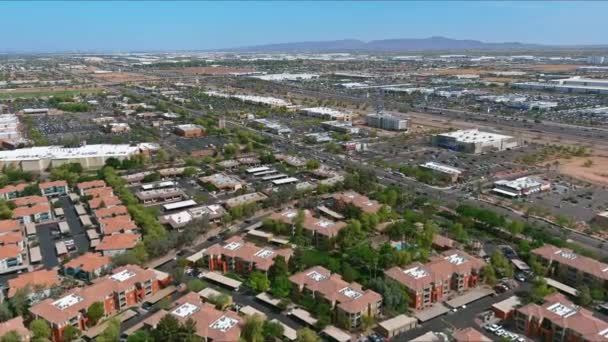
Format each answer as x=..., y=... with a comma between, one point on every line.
x=388, y=45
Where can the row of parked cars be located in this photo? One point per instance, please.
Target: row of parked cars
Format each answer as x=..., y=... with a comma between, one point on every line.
x=499, y=331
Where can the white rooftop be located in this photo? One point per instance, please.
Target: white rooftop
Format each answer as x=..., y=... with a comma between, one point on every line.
x=60, y=152
x=520, y=183
x=67, y=301
x=351, y=293
x=416, y=272
x=264, y=253
x=185, y=310
x=562, y=310
x=122, y=275
x=474, y=136
x=442, y=168
x=233, y=246
x=223, y=323
x=456, y=259
x=316, y=276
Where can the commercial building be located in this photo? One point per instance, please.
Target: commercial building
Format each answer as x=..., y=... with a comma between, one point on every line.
x=211, y=324
x=345, y=127
x=126, y=287
x=571, y=268
x=213, y=212
x=41, y=158
x=237, y=255
x=326, y=113
x=569, y=85
x=273, y=126
x=189, y=130
x=349, y=300
x=160, y=195
x=222, y=181
x=54, y=189
x=558, y=319
x=264, y=100
x=519, y=187
x=386, y=121
x=245, y=199
x=446, y=171
x=474, y=141
x=454, y=271
x=357, y=200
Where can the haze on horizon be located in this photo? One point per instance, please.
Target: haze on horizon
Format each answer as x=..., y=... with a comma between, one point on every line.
x=139, y=26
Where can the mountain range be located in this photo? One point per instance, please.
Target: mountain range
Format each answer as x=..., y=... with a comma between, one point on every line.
x=395, y=45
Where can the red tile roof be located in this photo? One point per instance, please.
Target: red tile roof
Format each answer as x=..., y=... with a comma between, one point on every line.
x=9, y=226
x=91, y=184
x=16, y=325
x=236, y=247
x=9, y=251
x=89, y=262
x=112, y=211
x=52, y=184
x=28, y=201
x=99, y=192
x=118, y=242
x=13, y=188
x=117, y=224
x=42, y=278
x=360, y=201
x=108, y=201
x=568, y=257
x=470, y=335
x=28, y=211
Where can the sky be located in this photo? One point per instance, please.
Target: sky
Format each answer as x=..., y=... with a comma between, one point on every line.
x=192, y=25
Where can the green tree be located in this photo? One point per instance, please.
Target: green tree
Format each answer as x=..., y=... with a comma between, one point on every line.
x=253, y=329
x=141, y=336
x=281, y=287
x=40, y=330
x=490, y=275
x=312, y=164
x=539, y=291
x=221, y=301
x=11, y=336
x=195, y=285
x=258, y=281
x=20, y=302
x=584, y=296
x=167, y=329
x=273, y=330
x=5, y=312
x=95, y=312
x=111, y=333
x=307, y=335
x=70, y=333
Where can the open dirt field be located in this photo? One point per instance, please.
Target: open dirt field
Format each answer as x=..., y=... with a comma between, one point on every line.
x=458, y=71
x=553, y=67
x=122, y=77
x=210, y=71
x=597, y=173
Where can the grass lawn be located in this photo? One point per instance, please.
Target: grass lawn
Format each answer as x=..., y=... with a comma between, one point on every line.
x=40, y=93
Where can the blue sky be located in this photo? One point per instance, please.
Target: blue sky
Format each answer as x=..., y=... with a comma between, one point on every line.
x=129, y=26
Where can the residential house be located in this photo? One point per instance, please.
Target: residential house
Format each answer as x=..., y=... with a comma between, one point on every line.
x=54, y=189
x=115, y=244
x=87, y=267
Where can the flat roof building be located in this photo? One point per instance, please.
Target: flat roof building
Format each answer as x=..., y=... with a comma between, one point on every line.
x=386, y=121
x=326, y=113
x=519, y=187
x=189, y=130
x=345, y=127
x=40, y=158
x=474, y=141
x=222, y=181
x=245, y=199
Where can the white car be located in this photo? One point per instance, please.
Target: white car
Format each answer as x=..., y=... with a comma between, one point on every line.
x=500, y=332
x=492, y=327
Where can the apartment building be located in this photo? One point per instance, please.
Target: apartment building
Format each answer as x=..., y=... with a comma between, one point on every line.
x=117, y=225
x=12, y=191
x=39, y=284
x=37, y=213
x=320, y=230
x=99, y=192
x=349, y=301
x=87, y=267
x=558, y=319
x=126, y=287
x=115, y=244
x=54, y=189
x=386, y=121
x=235, y=254
x=451, y=273
x=105, y=202
x=571, y=268
x=362, y=202
x=108, y=212
x=83, y=186
x=211, y=324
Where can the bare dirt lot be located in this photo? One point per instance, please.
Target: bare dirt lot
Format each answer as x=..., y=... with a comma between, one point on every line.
x=122, y=77
x=553, y=67
x=595, y=171
x=456, y=71
x=210, y=71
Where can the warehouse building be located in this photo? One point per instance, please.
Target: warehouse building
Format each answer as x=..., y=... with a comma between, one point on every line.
x=386, y=121
x=189, y=130
x=474, y=141
x=569, y=85
x=40, y=158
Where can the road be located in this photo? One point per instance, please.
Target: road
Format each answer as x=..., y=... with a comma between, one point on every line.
x=77, y=231
x=47, y=244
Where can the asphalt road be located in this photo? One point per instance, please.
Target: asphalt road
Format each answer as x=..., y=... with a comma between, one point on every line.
x=77, y=231
x=47, y=244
